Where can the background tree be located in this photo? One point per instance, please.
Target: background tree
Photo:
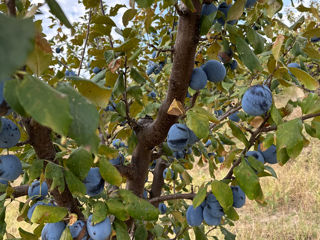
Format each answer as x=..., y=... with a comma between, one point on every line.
x=75, y=133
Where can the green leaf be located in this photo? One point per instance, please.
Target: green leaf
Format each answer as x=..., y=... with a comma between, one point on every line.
x=227, y=235
x=206, y=22
x=198, y=123
x=289, y=138
x=248, y=181
x=200, y=197
x=255, y=40
x=144, y=3
x=276, y=48
x=41, y=56
x=236, y=131
x=48, y=214
x=95, y=93
x=231, y=213
x=141, y=232
x=99, y=78
x=85, y=118
x=275, y=115
x=271, y=170
x=308, y=81
x=100, y=211
x=109, y=172
x=16, y=37
x=35, y=170
x=189, y=5
x=310, y=104
x=46, y=105
x=128, y=15
x=247, y=56
x=135, y=75
x=11, y=96
x=121, y=230
x=119, y=87
x=199, y=233
x=66, y=234
x=236, y=10
x=91, y=3
x=128, y=45
x=255, y=164
x=76, y=187
x=56, y=10
x=55, y=173
x=80, y=162
x=118, y=209
x=26, y=235
x=138, y=208
x=223, y=193
x=312, y=53
x=312, y=33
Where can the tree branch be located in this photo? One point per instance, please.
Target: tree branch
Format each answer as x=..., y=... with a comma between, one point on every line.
x=85, y=43
x=11, y=4
x=172, y=197
x=126, y=171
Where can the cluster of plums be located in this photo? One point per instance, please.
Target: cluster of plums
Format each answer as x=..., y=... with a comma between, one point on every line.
x=155, y=67
x=10, y=165
x=212, y=70
x=210, y=209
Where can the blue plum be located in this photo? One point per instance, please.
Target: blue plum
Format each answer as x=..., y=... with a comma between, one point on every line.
x=10, y=167
x=165, y=172
x=76, y=228
x=213, y=206
x=96, y=70
x=58, y=50
x=198, y=79
x=53, y=231
x=215, y=70
x=117, y=143
x=234, y=65
x=194, y=216
x=32, y=208
x=209, y=219
x=234, y=117
x=118, y=160
x=179, y=154
x=224, y=8
x=293, y=65
x=270, y=154
x=145, y=194
x=192, y=137
x=315, y=39
x=151, y=67
x=4, y=182
x=257, y=155
x=250, y=3
x=239, y=197
x=70, y=73
x=94, y=182
x=99, y=231
x=178, y=137
x=35, y=191
x=208, y=9
x=9, y=133
x=221, y=159
x=152, y=94
x=154, y=54
x=208, y=143
x=257, y=100
x=153, y=165
x=162, y=208
x=218, y=113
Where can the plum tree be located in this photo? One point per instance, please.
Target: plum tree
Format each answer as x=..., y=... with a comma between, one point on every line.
x=99, y=231
x=215, y=71
x=198, y=79
x=37, y=190
x=104, y=143
x=257, y=100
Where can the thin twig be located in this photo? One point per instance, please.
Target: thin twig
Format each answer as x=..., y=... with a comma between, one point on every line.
x=172, y=197
x=102, y=8
x=85, y=43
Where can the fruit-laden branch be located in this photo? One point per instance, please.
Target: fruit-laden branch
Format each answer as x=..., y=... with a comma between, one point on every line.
x=40, y=139
x=255, y=136
x=183, y=62
x=172, y=197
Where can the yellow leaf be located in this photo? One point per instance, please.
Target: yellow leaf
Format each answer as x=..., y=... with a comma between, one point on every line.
x=176, y=108
x=277, y=47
